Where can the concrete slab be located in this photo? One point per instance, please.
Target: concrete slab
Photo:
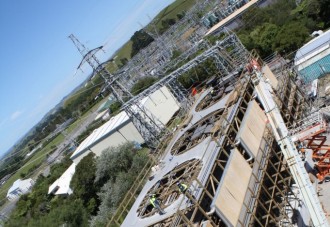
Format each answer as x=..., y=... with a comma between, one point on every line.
x=206, y=151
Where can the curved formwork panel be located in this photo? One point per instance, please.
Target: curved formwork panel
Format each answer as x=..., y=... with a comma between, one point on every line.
x=197, y=133
x=166, y=188
x=217, y=92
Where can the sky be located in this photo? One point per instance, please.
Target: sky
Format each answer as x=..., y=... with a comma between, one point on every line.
x=38, y=60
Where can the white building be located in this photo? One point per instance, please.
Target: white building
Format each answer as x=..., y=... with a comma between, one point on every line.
x=119, y=129
x=19, y=188
x=62, y=185
x=313, y=59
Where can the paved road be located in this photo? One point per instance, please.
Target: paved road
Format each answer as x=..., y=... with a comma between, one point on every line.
x=69, y=138
x=6, y=210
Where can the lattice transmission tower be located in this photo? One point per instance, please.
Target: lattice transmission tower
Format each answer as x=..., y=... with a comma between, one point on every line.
x=145, y=122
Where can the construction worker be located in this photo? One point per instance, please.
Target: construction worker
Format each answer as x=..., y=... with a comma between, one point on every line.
x=184, y=190
x=182, y=187
x=156, y=204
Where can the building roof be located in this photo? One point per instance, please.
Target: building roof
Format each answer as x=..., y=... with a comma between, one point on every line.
x=62, y=184
x=106, y=129
x=313, y=47
x=99, y=133
x=20, y=184
x=229, y=198
x=231, y=17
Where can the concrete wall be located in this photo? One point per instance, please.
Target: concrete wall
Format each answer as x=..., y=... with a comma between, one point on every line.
x=162, y=104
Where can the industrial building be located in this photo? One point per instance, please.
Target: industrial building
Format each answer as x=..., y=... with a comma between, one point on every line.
x=313, y=59
x=62, y=185
x=20, y=187
x=240, y=172
x=120, y=128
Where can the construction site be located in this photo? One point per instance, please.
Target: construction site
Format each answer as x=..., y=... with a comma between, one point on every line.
x=251, y=149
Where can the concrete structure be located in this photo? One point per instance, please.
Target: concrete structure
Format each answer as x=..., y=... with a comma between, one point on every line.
x=228, y=155
x=313, y=59
x=161, y=104
x=229, y=19
x=120, y=129
x=19, y=188
x=62, y=185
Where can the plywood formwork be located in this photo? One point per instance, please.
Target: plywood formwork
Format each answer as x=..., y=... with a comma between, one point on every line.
x=271, y=196
x=206, y=151
x=232, y=189
x=252, y=129
x=270, y=76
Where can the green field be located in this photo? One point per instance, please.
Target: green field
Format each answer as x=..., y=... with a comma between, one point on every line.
x=172, y=10
x=36, y=159
x=121, y=53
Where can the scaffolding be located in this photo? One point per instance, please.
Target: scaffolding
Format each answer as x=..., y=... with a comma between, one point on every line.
x=289, y=151
x=274, y=191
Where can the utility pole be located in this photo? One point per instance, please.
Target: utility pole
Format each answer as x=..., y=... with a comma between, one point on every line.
x=111, y=82
x=148, y=125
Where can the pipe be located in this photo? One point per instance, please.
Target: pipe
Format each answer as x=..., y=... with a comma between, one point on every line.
x=211, y=211
x=237, y=142
x=249, y=159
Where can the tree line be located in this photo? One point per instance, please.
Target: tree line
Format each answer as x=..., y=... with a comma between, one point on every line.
x=283, y=26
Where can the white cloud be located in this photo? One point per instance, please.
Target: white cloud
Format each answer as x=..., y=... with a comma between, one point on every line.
x=15, y=115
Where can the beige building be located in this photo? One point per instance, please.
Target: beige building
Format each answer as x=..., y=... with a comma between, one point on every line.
x=120, y=129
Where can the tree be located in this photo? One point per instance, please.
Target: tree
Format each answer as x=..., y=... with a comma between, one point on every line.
x=181, y=15
x=117, y=168
x=123, y=61
x=83, y=181
x=199, y=73
x=114, y=160
x=166, y=24
x=140, y=40
x=143, y=84
x=325, y=12
x=38, y=204
x=263, y=37
x=114, y=107
x=71, y=213
x=285, y=42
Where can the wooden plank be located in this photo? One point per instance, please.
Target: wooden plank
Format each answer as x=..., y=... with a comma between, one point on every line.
x=252, y=128
x=233, y=187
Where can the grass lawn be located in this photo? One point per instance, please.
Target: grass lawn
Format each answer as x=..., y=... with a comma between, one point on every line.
x=172, y=10
x=167, y=13
x=122, y=52
x=85, y=115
